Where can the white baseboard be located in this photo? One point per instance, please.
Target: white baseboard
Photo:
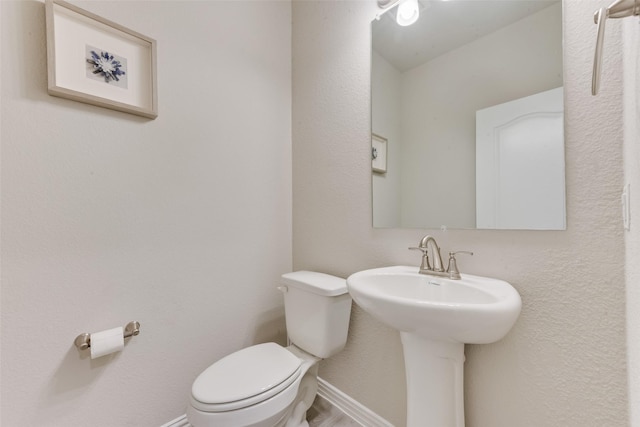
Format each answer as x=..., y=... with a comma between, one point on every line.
x=181, y=421
x=350, y=407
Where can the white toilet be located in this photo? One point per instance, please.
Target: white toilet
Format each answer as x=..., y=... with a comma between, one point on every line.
x=267, y=385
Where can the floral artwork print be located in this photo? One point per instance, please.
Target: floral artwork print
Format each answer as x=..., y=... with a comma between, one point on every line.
x=106, y=67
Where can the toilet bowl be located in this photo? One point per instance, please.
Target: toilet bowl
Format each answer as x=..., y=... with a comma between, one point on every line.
x=259, y=386
x=267, y=385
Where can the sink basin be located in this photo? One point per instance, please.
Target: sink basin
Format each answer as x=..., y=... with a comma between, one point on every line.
x=472, y=310
x=436, y=317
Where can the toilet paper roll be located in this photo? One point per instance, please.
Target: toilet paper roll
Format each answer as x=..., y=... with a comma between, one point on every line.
x=106, y=342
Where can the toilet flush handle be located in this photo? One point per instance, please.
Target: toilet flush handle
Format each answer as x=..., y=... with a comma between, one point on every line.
x=283, y=289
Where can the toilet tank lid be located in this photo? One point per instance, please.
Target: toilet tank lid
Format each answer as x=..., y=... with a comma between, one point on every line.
x=318, y=283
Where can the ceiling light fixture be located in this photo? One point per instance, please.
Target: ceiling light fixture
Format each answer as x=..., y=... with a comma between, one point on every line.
x=408, y=12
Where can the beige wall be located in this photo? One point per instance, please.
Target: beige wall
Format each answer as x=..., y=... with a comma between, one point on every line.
x=631, y=78
x=564, y=362
x=182, y=223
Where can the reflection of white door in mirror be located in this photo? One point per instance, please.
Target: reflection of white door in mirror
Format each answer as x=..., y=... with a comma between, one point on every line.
x=520, y=164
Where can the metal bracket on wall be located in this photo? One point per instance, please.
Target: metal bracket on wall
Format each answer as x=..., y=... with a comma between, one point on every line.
x=617, y=9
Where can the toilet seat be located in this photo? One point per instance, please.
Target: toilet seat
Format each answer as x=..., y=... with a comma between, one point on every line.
x=247, y=377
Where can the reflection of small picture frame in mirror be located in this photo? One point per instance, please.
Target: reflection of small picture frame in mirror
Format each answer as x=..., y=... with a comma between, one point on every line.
x=378, y=153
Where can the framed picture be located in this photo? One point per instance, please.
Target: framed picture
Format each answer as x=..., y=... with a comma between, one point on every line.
x=99, y=62
x=378, y=153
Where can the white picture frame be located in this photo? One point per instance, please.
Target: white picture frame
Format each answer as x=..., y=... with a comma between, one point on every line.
x=93, y=60
x=378, y=153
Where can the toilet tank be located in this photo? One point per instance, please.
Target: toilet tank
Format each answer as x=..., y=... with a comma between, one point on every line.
x=317, y=309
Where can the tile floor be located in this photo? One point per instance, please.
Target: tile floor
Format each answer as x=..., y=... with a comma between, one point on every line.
x=323, y=414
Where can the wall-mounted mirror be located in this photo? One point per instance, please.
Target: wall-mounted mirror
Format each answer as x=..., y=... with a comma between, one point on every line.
x=469, y=100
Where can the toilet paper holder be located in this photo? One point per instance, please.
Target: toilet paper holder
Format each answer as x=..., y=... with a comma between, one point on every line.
x=83, y=341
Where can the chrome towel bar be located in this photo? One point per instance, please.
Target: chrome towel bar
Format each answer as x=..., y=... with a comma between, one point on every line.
x=617, y=9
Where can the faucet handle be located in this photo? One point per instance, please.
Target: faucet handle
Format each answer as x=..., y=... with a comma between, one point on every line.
x=452, y=269
x=425, y=265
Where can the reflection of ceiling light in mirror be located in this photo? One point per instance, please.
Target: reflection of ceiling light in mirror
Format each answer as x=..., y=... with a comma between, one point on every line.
x=408, y=12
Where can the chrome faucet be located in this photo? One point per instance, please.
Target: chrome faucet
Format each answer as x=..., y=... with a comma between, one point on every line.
x=425, y=268
x=437, y=270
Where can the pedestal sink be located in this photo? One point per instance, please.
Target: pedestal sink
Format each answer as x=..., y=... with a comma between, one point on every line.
x=436, y=317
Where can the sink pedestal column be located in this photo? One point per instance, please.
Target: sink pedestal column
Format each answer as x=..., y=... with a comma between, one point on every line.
x=435, y=386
